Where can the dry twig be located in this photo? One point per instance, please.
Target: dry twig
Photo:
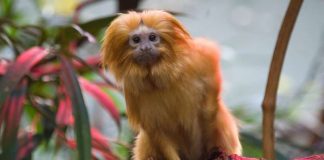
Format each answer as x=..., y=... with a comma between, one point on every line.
x=269, y=100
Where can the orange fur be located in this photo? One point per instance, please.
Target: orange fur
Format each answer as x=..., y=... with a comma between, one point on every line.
x=175, y=105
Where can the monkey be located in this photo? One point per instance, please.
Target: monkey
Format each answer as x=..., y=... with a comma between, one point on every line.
x=172, y=87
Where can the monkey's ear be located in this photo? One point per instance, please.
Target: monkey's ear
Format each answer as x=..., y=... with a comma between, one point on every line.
x=179, y=29
x=178, y=26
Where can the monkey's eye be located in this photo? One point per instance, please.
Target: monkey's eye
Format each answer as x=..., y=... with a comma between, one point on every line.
x=152, y=37
x=136, y=39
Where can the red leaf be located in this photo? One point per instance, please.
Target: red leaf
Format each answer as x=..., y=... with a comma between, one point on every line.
x=48, y=68
x=52, y=68
x=237, y=157
x=13, y=107
x=101, y=97
x=3, y=66
x=64, y=114
x=99, y=141
x=314, y=157
x=28, y=143
x=17, y=70
x=71, y=143
x=91, y=60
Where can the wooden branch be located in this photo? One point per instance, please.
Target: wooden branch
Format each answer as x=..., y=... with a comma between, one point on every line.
x=269, y=100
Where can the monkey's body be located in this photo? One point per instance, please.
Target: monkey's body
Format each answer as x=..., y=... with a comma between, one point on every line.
x=173, y=101
x=179, y=118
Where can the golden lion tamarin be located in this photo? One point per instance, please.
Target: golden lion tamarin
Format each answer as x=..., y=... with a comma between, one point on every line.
x=172, y=86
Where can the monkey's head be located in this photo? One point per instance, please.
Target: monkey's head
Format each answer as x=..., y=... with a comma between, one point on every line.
x=142, y=44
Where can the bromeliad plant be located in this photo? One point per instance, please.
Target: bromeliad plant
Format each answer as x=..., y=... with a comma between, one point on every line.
x=44, y=84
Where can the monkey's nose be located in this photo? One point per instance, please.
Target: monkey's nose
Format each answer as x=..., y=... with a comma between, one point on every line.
x=146, y=49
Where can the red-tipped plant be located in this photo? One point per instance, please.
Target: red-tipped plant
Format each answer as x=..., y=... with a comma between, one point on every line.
x=47, y=85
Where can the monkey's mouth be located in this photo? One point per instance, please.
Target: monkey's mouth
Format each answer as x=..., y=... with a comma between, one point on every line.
x=146, y=59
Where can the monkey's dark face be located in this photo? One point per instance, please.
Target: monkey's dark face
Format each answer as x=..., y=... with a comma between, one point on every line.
x=144, y=42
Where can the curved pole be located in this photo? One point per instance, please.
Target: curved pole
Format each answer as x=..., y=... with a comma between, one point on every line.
x=269, y=101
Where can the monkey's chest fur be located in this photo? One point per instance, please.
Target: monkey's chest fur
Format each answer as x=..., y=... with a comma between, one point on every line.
x=176, y=112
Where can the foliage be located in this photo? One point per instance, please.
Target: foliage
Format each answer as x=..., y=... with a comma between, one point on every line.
x=45, y=83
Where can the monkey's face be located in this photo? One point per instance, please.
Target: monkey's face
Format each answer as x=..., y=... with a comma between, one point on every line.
x=144, y=43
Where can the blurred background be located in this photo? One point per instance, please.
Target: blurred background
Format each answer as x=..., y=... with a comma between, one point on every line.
x=246, y=31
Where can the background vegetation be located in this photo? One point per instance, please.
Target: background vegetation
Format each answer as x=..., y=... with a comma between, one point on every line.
x=54, y=97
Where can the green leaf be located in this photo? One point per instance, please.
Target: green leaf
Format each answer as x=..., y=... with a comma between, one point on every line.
x=245, y=115
x=82, y=126
x=118, y=99
x=95, y=26
x=29, y=112
x=42, y=89
x=126, y=136
x=122, y=152
x=252, y=147
x=6, y=8
x=72, y=32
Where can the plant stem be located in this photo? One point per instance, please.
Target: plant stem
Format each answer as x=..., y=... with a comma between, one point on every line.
x=269, y=100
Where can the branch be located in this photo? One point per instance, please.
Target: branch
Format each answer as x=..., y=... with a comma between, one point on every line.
x=269, y=100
